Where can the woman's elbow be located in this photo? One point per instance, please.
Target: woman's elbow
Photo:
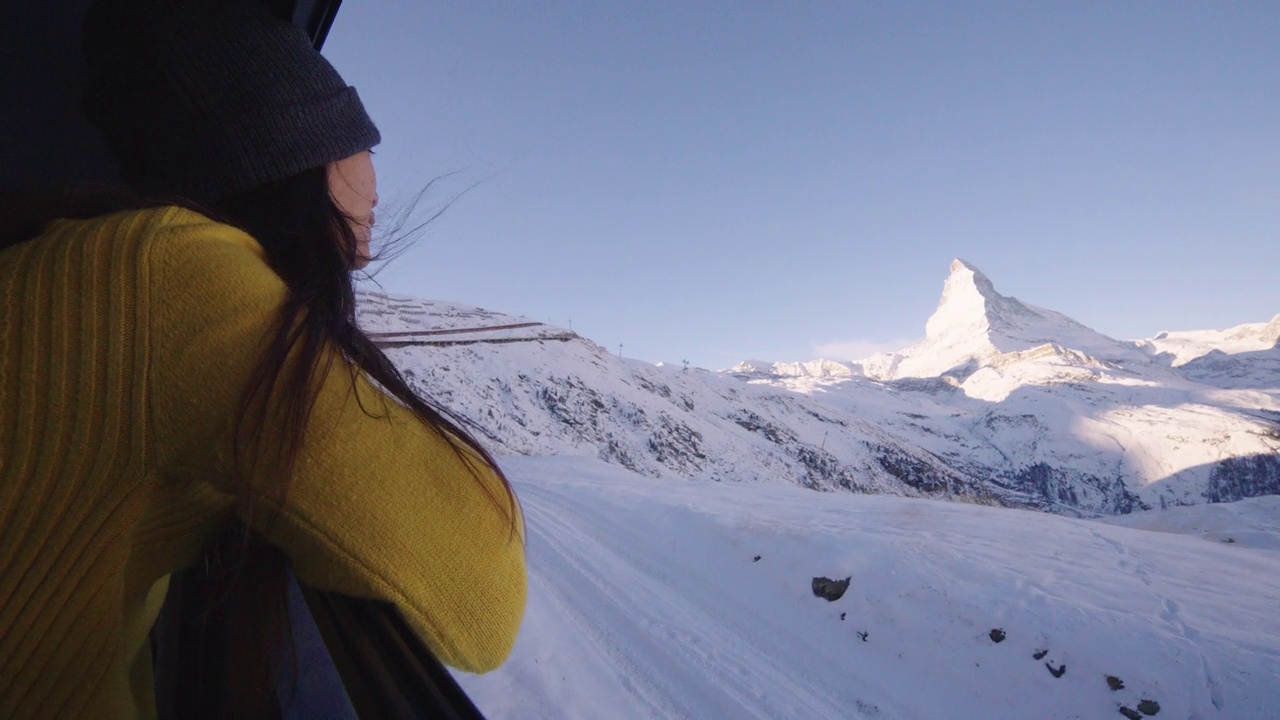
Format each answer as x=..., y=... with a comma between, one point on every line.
x=495, y=643
x=485, y=624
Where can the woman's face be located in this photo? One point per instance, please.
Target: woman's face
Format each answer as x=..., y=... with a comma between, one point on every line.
x=353, y=185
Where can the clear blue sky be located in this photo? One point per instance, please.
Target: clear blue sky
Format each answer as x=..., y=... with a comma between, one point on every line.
x=714, y=181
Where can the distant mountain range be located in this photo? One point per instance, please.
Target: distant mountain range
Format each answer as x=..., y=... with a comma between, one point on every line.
x=1002, y=403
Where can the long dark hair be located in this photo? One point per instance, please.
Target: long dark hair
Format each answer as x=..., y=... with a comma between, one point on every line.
x=309, y=243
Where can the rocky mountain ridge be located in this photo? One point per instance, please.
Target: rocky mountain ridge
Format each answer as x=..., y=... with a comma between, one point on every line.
x=1002, y=403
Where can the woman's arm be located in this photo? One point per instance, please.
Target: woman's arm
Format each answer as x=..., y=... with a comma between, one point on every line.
x=378, y=506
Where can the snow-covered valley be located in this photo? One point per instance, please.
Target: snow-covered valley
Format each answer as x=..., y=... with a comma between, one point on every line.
x=1015, y=471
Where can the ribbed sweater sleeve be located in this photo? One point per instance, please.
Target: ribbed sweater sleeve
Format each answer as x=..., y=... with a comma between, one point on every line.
x=379, y=506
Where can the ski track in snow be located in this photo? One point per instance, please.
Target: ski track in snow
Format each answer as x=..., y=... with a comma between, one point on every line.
x=645, y=602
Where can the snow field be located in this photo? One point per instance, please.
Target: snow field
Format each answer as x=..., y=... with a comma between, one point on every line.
x=646, y=602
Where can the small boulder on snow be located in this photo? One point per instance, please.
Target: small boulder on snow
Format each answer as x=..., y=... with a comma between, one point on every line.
x=830, y=590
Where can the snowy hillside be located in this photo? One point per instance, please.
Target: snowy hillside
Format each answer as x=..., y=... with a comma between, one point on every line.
x=1002, y=403
x=662, y=598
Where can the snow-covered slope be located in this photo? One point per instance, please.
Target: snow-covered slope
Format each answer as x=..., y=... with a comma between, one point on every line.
x=1254, y=522
x=1002, y=403
x=654, y=598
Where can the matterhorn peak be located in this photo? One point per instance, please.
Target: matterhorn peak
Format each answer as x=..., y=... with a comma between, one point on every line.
x=964, y=276
x=974, y=323
x=969, y=300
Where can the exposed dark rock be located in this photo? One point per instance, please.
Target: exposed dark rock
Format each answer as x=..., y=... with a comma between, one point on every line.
x=1115, y=683
x=776, y=434
x=932, y=385
x=913, y=471
x=1064, y=486
x=933, y=475
x=1148, y=707
x=824, y=469
x=675, y=444
x=1130, y=713
x=830, y=590
x=1039, y=654
x=997, y=635
x=615, y=451
x=659, y=389
x=572, y=403
x=841, y=616
x=824, y=418
x=1056, y=672
x=1242, y=477
x=863, y=635
x=755, y=559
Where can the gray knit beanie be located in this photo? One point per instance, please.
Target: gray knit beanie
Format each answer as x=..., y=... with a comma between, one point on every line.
x=209, y=98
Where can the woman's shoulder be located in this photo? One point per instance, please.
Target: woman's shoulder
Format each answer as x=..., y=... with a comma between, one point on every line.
x=131, y=238
x=187, y=251
x=171, y=229
x=186, y=228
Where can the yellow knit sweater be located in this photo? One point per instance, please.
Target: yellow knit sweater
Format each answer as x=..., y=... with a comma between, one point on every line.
x=125, y=344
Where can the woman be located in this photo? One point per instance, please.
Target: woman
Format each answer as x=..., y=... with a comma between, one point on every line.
x=169, y=369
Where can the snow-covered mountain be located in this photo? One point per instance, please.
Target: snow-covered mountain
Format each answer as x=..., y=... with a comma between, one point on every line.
x=531, y=389
x=1001, y=403
x=1240, y=357
x=974, y=326
x=1187, y=346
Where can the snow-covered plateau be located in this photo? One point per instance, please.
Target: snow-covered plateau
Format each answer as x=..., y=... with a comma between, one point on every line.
x=1146, y=580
